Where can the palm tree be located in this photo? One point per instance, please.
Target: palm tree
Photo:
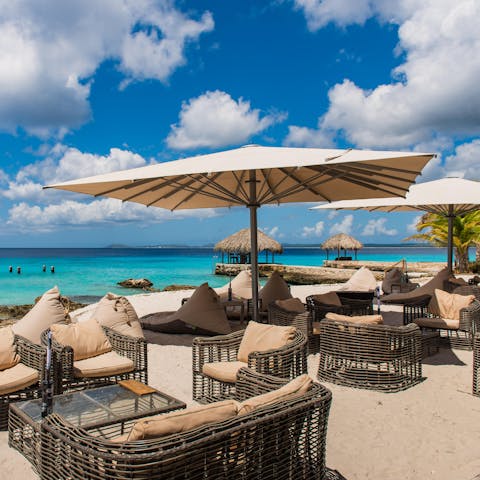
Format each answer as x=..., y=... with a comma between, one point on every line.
x=433, y=228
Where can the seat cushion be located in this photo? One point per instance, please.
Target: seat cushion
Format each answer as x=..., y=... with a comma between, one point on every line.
x=183, y=420
x=110, y=363
x=276, y=288
x=117, y=313
x=450, y=304
x=259, y=337
x=294, y=305
x=17, y=378
x=86, y=338
x=47, y=311
x=435, y=322
x=297, y=386
x=8, y=353
x=329, y=298
x=361, y=319
x=223, y=371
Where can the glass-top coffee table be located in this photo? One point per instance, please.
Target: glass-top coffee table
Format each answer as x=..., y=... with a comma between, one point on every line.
x=94, y=410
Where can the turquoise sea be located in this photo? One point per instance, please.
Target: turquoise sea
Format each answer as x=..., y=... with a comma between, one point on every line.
x=88, y=273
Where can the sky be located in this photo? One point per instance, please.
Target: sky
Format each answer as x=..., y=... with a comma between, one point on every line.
x=93, y=86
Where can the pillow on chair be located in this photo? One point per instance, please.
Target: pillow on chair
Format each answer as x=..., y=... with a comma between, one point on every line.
x=450, y=304
x=294, y=305
x=259, y=337
x=48, y=310
x=276, y=288
x=86, y=338
x=117, y=313
x=361, y=319
x=329, y=298
x=8, y=352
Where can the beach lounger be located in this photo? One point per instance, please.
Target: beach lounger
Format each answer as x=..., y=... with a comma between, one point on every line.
x=267, y=349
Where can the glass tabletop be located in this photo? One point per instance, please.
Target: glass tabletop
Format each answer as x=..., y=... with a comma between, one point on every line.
x=102, y=405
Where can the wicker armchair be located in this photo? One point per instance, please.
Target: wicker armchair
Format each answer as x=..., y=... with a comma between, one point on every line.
x=351, y=305
x=286, y=362
x=33, y=356
x=131, y=347
x=461, y=338
x=374, y=357
x=476, y=365
x=284, y=440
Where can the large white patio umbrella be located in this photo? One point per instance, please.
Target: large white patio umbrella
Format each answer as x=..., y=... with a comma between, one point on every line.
x=253, y=176
x=448, y=197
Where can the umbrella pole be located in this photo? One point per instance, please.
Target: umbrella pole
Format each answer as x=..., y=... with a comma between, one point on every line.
x=253, y=206
x=450, y=218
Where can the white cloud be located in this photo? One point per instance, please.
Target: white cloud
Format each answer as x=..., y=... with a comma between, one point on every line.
x=433, y=92
x=345, y=226
x=215, y=119
x=50, y=51
x=411, y=228
x=70, y=213
x=332, y=214
x=378, y=227
x=315, y=231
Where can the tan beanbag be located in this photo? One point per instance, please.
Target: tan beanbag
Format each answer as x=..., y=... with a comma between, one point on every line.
x=47, y=311
x=117, y=313
x=362, y=280
x=241, y=286
x=329, y=298
x=362, y=319
x=86, y=338
x=450, y=304
x=8, y=353
x=294, y=305
x=276, y=288
x=259, y=337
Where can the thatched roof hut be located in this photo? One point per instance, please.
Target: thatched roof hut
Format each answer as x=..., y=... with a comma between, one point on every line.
x=343, y=242
x=239, y=244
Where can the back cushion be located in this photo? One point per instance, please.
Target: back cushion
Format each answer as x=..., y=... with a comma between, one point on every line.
x=259, y=337
x=450, y=304
x=86, y=338
x=294, y=305
x=117, y=313
x=329, y=298
x=437, y=282
x=364, y=319
x=8, y=355
x=183, y=420
x=47, y=311
x=276, y=288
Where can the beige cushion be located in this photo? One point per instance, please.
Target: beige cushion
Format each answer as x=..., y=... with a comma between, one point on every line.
x=8, y=351
x=435, y=322
x=47, y=311
x=294, y=305
x=297, y=386
x=259, y=337
x=276, y=288
x=363, y=280
x=117, y=313
x=86, y=338
x=362, y=319
x=450, y=304
x=17, y=378
x=223, y=371
x=241, y=286
x=183, y=420
x=329, y=298
x=110, y=363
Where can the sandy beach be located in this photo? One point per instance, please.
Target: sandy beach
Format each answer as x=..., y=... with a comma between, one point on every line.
x=426, y=432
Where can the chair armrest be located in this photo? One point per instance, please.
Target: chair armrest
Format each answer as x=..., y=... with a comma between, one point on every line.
x=250, y=383
x=221, y=348
x=416, y=308
x=470, y=317
x=31, y=354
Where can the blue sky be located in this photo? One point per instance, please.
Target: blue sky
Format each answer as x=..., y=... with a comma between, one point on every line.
x=94, y=86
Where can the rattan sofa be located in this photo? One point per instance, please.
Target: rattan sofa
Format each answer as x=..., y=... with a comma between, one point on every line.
x=284, y=440
x=33, y=356
x=134, y=348
x=461, y=338
x=285, y=362
x=374, y=357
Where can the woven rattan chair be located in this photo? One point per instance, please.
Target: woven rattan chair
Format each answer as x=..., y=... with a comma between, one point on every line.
x=284, y=440
x=351, y=305
x=374, y=357
x=33, y=356
x=476, y=365
x=461, y=338
x=286, y=362
x=131, y=347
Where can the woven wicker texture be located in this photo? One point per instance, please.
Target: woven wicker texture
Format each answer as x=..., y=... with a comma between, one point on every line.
x=131, y=347
x=286, y=362
x=374, y=357
x=353, y=303
x=476, y=365
x=284, y=440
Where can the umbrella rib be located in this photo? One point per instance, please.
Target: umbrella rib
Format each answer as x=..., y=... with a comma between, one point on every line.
x=132, y=184
x=267, y=185
x=153, y=189
x=207, y=182
x=368, y=166
x=180, y=186
x=240, y=188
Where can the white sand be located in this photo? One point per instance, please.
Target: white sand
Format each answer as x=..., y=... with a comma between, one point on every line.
x=430, y=431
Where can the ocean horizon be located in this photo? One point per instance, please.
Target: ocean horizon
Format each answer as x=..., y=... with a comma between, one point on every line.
x=85, y=274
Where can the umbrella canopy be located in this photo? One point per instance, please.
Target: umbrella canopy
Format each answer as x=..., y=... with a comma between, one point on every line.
x=448, y=197
x=241, y=241
x=253, y=176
